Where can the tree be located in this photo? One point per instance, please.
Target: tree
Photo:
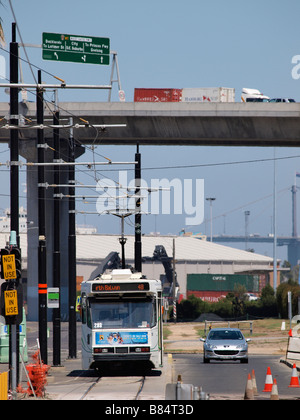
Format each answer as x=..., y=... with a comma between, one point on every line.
x=281, y=296
x=268, y=296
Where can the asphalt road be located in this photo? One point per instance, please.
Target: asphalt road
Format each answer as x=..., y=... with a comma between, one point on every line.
x=227, y=379
x=222, y=380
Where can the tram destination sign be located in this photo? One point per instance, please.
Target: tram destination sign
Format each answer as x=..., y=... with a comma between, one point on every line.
x=76, y=48
x=120, y=287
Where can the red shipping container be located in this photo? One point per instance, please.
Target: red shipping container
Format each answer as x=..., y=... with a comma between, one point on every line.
x=207, y=296
x=157, y=95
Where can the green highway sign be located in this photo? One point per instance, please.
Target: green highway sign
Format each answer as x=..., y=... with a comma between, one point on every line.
x=76, y=48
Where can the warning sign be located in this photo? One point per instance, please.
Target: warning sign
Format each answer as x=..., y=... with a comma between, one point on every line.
x=11, y=302
x=9, y=267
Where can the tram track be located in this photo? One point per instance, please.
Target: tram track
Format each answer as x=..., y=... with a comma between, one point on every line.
x=105, y=388
x=141, y=388
x=89, y=389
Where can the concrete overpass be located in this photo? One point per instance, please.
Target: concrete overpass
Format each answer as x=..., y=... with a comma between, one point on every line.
x=208, y=124
x=293, y=243
x=197, y=124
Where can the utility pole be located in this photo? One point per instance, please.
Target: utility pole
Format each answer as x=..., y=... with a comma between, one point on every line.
x=122, y=240
x=42, y=258
x=72, y=250
x=211, y=199
x=275, y=223
x=138, y=216
x=294, y=210
x=174, y=286
x=14, y=200
x=247, y=214
x=56, y=243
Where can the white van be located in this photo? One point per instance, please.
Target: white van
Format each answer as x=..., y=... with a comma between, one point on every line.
x=253, y=95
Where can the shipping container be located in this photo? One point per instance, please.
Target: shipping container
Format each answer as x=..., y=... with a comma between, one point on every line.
x=157, y=95
x=214, y=94
x=222, y=282
x=207, y=296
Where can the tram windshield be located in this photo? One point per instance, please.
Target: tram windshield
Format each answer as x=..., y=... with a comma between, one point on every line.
x=122, y=314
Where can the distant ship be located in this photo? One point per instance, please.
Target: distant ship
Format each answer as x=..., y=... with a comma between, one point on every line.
x=5, y=220
x=23, y=224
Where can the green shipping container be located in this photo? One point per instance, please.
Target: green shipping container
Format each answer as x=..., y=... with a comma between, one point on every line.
x=222, y=282
x=4, y=340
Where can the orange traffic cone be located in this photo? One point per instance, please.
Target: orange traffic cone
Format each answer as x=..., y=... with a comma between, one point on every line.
x=269, y=381
x=290, y=333
x=294, y=379
x=249, y=389
x=254, y=386
x=274, y=393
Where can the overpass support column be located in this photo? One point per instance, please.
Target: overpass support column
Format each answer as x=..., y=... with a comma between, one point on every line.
x=294, y=252
x=29, y=152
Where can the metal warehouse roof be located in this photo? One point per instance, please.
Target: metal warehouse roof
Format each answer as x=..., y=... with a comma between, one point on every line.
x=98, y=246
x=186, y=248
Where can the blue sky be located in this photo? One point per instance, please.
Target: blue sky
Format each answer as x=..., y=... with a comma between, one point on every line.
x=175, y=44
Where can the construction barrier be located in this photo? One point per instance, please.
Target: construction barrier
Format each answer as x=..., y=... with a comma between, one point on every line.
x=37, y=373
x=293, y=348
x=4, y=340
x=187, y=392
x=3, y=386
x=37, y=377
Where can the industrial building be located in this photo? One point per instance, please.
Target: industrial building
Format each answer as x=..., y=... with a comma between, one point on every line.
x=192, y=256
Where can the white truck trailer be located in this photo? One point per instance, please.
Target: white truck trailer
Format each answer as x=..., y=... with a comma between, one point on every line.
x=208, y=94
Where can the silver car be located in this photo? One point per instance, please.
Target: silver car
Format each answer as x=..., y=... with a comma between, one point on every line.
x=225, y=344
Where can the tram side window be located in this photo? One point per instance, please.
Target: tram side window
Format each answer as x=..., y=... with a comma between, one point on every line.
x=83, y=309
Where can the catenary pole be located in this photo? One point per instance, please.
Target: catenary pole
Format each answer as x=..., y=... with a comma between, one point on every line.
x=56, y=247
x=138, y=216
x=14, y=200
x=72, y=252
x=42, y=258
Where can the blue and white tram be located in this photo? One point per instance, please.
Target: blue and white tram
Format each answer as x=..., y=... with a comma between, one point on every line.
x=121, y=320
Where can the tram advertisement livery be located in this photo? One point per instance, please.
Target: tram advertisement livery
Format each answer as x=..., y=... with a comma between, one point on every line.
x=117, y=338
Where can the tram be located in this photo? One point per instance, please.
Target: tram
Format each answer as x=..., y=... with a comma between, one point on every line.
x=121, y=315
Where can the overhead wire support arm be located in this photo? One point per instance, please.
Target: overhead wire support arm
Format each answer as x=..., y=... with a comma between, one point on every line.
x=43, y=86
x=119, y=187
x=65, y=126
x=63, y=163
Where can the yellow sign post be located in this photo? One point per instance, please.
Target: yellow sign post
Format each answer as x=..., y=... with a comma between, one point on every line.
x=9, y=267
x=11, y=302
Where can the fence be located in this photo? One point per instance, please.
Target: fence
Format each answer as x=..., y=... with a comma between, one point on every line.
x=229, y=325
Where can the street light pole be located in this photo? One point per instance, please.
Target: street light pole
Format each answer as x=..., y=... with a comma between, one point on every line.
x=211, y=199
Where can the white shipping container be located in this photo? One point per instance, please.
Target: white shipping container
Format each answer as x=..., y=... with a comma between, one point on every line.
x=215, y=94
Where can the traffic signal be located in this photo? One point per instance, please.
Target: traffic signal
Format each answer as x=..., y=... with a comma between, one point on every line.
x=17, y=253
x=3, y=252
